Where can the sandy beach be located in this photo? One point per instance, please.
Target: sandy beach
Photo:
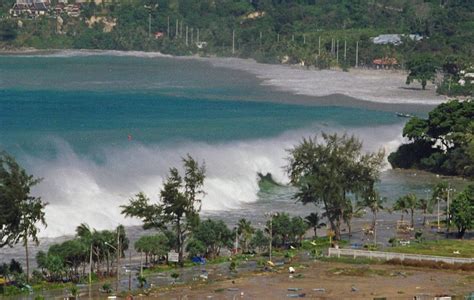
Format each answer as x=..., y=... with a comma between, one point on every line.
x=368, y=85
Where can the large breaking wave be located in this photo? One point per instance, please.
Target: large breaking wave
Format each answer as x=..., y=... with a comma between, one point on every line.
x=84, y=189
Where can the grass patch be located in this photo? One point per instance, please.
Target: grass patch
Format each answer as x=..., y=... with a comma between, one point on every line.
x=431, y=264
x=359, y=271
x=352, y=261
x=439, y=248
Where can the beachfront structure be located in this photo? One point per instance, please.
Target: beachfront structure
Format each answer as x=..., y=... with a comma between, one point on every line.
x=394, y=39
x=31, y=8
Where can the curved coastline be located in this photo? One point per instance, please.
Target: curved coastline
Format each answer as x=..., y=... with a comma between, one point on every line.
x=371, y=89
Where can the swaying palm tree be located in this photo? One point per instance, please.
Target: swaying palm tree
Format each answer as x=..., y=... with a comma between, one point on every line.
x=245, y=232
x=314, y=221
x=407, y=203
x=400, y=205
x=374, y=203
x=425, y=206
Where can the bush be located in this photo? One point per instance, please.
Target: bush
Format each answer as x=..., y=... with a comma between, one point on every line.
x=431, y=264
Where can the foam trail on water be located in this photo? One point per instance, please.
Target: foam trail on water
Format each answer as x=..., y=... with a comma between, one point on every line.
x=81, y=190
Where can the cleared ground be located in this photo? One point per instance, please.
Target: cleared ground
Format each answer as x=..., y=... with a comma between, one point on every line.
x=339, y=281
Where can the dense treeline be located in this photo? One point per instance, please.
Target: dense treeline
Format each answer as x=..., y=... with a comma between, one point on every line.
x=443, y=143
x=275, y=29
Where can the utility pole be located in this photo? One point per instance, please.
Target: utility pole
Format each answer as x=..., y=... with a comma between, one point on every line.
x=319, y=46
x=181, y=29
x=130, y=271
x=118, y=259
x=271, y=236
x=337, y=52
x=345, y=50
x=186, y=35
x=149, y=24
x=332, y=46
x=177, y=26
x=233, y=42
x=357, y=54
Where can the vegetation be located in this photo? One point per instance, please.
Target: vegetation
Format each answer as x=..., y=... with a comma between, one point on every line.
x=327, y=172
x=179, y=207
x=321, y=33
x=462, y=211
x=443, y=143
x=439, y=248
x=19, y=211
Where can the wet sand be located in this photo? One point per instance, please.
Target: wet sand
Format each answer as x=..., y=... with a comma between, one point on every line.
x=392, y=282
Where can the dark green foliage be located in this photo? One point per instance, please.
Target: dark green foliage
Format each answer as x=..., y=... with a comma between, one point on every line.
x=214, y=235
x=443, y=143
x=286, y=230
x=259, y=241
x=421, y=68
x=180, y=203
x=462, y=210
x=326, y=172
x=8, y=31
x=154, y=246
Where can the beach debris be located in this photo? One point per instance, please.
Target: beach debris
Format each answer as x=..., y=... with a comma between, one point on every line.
x=294, y=289
x=279, y=263
x=398, y=273
x=270, y=263
x=321, y=290
x=203, y=276
x=456, y=252
x=233, y=289
x=354, y=289
x=291, y=270
x=241, y=294
x=302, y=295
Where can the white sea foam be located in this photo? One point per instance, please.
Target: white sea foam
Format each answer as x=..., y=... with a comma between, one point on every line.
x=81, y=190
x=86, y=52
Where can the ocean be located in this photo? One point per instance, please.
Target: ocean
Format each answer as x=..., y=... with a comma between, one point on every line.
x=99, y=127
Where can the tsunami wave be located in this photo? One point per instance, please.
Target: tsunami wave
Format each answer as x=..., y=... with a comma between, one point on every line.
x=80, y=189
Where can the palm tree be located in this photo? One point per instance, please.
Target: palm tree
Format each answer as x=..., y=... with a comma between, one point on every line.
x=245, y=232
x=314, y=221
x=400, y=205
x=411, y=204
x=374, y=203
x=425, y=206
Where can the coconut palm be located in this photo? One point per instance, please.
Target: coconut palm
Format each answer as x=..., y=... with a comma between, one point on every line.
x=408, y=203
x=400, y=205
x=425, y=206
x=314, y=221
x=245, y=232
x=373, y=202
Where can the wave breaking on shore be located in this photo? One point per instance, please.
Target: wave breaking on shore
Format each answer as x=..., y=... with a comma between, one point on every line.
x=83, y=189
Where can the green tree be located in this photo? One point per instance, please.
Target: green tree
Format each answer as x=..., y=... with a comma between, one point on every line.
x=245, y=232
x=374, y=202
x=314, y=221
x=154, y=246
x=259, y=241
x=401, y=206
x=215, y=235
x=425, y=206
x=421, y=68
x=462, y=211
x=19, y=211
x=327, y=172
x=180, y=203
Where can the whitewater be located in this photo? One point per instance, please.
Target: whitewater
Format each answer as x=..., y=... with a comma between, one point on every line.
x=68, y=123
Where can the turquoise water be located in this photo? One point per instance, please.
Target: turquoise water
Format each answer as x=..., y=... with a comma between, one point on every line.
x=99, y=128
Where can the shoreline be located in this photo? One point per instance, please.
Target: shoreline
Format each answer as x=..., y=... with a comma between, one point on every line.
x=362, y=88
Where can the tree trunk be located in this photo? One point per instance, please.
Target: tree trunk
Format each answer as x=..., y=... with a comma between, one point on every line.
x=412, y=219
x=315, y=232
x=374, y=220
x=27, y=260
x=180, y=244
x=461, y=233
